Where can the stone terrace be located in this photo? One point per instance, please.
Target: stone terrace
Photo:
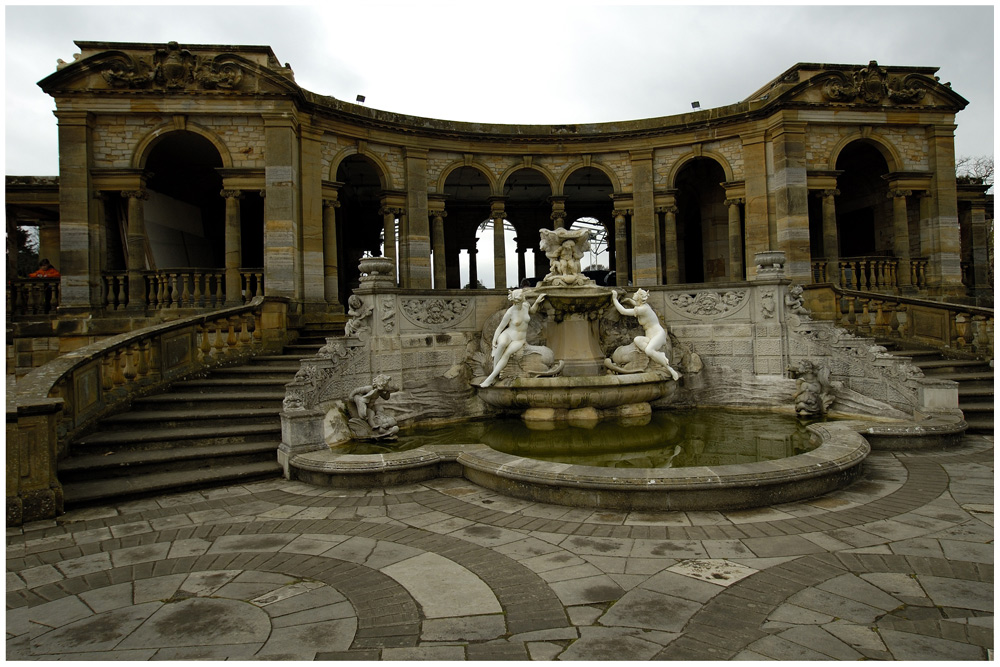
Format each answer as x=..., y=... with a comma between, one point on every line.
x=897, y=566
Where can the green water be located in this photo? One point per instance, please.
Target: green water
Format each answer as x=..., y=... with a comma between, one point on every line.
x=672, y=439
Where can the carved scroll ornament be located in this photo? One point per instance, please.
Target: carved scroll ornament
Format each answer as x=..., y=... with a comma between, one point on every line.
x=172, y=68
x=872, y=84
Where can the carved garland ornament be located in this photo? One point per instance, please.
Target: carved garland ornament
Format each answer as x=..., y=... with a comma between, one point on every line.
x=173, y=68
x=872, y=84
x=435, y=311
x=708, y=303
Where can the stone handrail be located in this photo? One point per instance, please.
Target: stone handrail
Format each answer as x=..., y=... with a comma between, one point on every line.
x=176, y=288
x=956, y=327
x=32, y=296
x=52, y=404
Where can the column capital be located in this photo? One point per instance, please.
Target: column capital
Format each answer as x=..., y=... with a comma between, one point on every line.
x=667, y=208
x=231, y=194
x=621, y=212
x=735, y=201
x=898, y=192
x=331, y=203
x=437, y=213
x=828, y=192
x=135, y=194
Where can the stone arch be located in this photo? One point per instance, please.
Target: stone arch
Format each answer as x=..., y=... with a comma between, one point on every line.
x=147, y=143
x=711, y=155
x=888, y=151
x=384, y=175
x=458, y=164
x=559, y=190
x=552, y=181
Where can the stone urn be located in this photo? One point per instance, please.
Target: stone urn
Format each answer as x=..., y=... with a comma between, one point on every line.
x=377, y=272
x=770, y=262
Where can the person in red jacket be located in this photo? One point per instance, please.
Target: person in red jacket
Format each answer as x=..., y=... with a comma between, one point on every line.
x=45, y=270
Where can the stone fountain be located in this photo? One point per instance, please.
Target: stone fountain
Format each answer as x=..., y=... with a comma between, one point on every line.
x=586, y=386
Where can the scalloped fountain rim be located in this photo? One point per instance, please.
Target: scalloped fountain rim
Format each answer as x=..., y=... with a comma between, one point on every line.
x=835, y=463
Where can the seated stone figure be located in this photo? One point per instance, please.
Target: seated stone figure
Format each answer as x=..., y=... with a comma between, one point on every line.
x=655, y=339
x=512, y=333
x=368, y=421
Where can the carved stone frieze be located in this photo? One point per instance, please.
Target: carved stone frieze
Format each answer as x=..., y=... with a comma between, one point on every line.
x=435, y=312
x=172, y=68
x=388, y=313
x=708, y=302
x=328, y=375
x=872, y=84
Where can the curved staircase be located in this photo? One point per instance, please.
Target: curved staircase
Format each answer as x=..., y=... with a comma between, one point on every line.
x=201, y=432
x=974, y=378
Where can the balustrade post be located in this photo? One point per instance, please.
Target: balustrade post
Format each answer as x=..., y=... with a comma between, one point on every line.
x=204, y=346
x=107, y=372
x=129, y=373
x=865, y=321
x=881, y=327
x=142, y=369
x=220, y=343
x=231, y=339
x=962, y=330
x=117, y=370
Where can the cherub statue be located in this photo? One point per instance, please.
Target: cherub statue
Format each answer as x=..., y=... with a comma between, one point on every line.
x=793, y=301
x=655, y=336
x=512, y=332
x=374, y=423
x=814, y=391
x=357, y=310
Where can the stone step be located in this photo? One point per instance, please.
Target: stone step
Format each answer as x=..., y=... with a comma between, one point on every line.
x=982, y=425
x=975, y=407
x=245, y=383
x=171, y=481
x=166, y=438
x=284, y=372
x=149, y=461
x=934, y=364
x=212, y=400
x=972, y=391
x=963, y=377
x=203, y=416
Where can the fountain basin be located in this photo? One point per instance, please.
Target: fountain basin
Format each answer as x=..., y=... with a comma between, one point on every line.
x=577, y=397
x=835, y=463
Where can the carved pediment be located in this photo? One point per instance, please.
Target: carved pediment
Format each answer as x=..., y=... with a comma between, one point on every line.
x=869, y=85
x=167, y=68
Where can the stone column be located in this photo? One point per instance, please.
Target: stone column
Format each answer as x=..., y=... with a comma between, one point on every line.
x=901, y=237
x=671, y=260
x=473, y=267
x=558, y=215
x=944, y=267
x=736, y=271
x=331, y=267
x=79, y=248
x=404, y=248
x=621, y=247
x=234, y=247
x=282, y=210
x=644, y=246
x=440, y=261
x=136, y=240
x=499, y=251
x=759, y=235
x=389, y=232
x=791, y=199
x=831, y=243
x=980, y=258
x=48, y=242
x=417, y=259
x=312, y=260
x=522, y=269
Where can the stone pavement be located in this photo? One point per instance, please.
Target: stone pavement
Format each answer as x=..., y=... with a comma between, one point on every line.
x=897, y=566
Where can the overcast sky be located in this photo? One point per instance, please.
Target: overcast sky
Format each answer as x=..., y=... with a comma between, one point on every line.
x=517, y=62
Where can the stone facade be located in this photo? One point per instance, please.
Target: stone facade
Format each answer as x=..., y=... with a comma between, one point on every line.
x=701, y=191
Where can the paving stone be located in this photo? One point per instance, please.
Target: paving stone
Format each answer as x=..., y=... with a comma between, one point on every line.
x=442, y=587
x=643, y=608
x=588, y=590
x=200, y=622
x=465, y=628
x=544, y=650
x=835, y=605
x=41, y=575
x=855, y=588
x=59, y=612
x=328, y=635
x=609, y=644
x=424, y=653
x=682, y=586
x=99, y=632
x=909, y=646
x=945, y=592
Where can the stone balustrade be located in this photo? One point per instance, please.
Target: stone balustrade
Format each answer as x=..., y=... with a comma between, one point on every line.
x=54, y=403
x=32, y=296
x=966, y=329
x=869, y=274
x=181, y=288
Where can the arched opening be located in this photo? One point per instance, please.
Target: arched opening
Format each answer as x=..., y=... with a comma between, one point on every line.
x=467, y=192
x=359, y=220
x=864, y=213
x=184, y=217
x=589, y=206
x=527, y=201
x=702, y=222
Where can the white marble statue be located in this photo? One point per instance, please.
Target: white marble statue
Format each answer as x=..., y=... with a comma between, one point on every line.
x=655, y=337
x=512, y=332
x=565, y=248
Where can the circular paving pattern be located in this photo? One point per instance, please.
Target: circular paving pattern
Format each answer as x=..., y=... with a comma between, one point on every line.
x=897, y=566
